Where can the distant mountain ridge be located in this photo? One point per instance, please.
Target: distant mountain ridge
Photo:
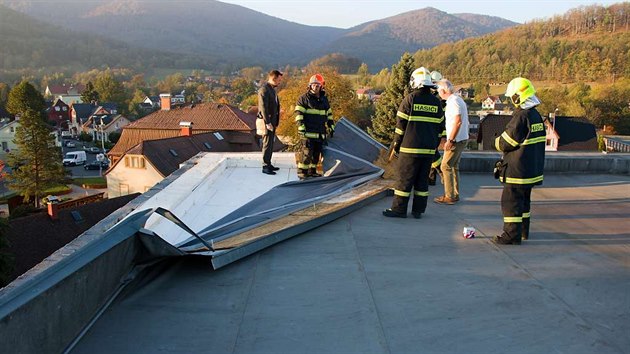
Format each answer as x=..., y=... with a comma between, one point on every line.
x=233, y=36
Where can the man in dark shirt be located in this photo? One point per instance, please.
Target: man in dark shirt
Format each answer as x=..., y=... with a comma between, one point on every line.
x=269, y=112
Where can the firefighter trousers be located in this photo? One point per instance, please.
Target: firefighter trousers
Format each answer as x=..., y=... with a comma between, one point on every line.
x=516, y=206
x=309, y=156
x=413, y=174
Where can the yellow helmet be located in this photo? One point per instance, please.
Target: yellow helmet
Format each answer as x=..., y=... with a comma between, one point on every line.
x=519, y=90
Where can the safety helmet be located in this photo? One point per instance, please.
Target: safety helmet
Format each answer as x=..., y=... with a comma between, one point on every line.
x=436, y=76
x=421, y=77
x=316, y=79
x=519, y=90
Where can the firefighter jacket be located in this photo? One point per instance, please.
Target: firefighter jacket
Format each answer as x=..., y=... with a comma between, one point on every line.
x=312, y=114
x=523, y=147
x=420, y=124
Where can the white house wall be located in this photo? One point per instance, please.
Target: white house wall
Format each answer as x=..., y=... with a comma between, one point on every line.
x=125, y=180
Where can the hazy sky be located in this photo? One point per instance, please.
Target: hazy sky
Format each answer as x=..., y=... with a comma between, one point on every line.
x=345, y=14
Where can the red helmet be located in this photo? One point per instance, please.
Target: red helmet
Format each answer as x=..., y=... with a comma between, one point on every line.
x=316, y=79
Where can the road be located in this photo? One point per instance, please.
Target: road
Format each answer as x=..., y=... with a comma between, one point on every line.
x=79, y=171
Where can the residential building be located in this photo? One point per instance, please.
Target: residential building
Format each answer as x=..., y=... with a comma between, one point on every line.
x=80, y=113
x=7, y=134
x=165, y=123
x=464, y=92
x=492, y=103
x=366, y=93
x=59, y=114
x=67, y=93
x=101, y=125
x=150, y=161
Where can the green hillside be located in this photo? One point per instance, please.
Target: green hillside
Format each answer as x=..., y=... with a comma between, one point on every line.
x=585, y=44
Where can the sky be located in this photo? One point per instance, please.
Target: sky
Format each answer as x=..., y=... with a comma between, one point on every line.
x=348, y=13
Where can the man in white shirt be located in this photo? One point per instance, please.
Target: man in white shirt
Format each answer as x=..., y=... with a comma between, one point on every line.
x=456, y=114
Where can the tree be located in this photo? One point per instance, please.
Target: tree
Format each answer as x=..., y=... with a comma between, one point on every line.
x=242, y=88
x=113, y=137
x=37, y=158
x=24, y=97
x=384, y=121
x=110, y=90
x=89, y=95
x=363, y=75
x=339, y=91
x=4, y=93
x=254, y=73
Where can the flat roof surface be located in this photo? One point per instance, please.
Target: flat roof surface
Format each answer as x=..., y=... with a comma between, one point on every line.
x=369, y=284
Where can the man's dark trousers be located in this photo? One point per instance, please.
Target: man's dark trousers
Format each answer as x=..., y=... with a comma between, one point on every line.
x=267, y=146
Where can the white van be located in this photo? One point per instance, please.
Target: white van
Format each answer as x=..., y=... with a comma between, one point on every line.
x=74, y=158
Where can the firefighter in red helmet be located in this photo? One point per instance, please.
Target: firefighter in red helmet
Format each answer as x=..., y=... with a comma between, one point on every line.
x=315, y=123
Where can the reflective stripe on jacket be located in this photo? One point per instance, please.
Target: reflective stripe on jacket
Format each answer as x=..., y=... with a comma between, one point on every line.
x=523, y=147
x=312, y=114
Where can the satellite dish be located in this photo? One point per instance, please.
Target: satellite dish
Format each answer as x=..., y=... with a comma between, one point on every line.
x=100, y=157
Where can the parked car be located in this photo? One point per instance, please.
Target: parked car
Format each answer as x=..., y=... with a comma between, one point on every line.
x=71, y=144
x=95, y=165
x=93, y=150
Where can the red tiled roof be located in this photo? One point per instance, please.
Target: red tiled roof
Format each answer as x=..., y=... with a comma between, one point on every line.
x=204, y=116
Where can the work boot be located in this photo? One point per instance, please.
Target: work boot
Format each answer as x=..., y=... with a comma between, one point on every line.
x=267, y=170
x=302, y=173
x=416, y=214
x=312, y=172
x=274, y=168
x=502, y=240
x=393, y=214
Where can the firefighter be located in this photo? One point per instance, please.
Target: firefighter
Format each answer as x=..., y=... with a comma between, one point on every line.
x=313, y=115
x=416, y=138
x=523, y=147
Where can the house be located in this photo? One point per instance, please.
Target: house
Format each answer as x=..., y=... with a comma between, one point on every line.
x=153, y=101
x=59, y=114
x=101, y=125
x=570, y=134
x=7, y=134
x=563, y=133
x=80, y=113
x=206, y=117
x=68, y=93
x=366, y=93
x=464, y=92
x=150, y=161
x=4, y=114
x=492, y=103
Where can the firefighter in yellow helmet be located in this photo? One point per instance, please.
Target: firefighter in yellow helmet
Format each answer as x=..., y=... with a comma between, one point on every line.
x=523, y=147
x=315, y=124
x=416, y=138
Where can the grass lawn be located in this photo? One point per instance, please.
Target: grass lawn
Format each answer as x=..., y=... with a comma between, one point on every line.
x=89, y=180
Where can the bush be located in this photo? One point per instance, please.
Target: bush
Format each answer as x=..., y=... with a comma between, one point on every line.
x=22, y=210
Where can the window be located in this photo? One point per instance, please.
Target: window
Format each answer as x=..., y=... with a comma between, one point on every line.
x=12, y=129
x=5, y=146
x=134, y=162
x=65, y=109
x=218, y=135
x=173, y=152
x=57, y=108
x=207, y=145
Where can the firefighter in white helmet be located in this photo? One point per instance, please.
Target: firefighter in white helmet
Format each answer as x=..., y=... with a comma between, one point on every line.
x=420, y=122
x=523, y=147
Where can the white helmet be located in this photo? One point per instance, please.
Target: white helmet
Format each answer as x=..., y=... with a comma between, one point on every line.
x=421, y=77
x=436, y=76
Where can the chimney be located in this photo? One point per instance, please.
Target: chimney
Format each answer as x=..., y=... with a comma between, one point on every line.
x=53, y=208
x=165, y=101
x=186, y=128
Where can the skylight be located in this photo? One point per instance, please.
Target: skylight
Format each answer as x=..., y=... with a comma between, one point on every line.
x=173, y=152
x=207, y=145
x=218, y=135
